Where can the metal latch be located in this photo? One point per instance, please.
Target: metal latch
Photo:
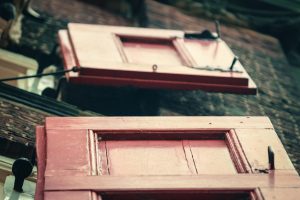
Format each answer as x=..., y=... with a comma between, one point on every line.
x=271, y=162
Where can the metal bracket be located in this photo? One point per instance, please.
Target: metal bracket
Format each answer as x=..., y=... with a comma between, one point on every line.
x=233, y=62
x=271, y=162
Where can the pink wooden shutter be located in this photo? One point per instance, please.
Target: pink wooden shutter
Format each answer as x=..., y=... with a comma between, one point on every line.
x=161, y=158
x=150, y=58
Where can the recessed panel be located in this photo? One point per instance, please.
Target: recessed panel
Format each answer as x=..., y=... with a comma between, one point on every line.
x=159, y=52
x=165, y=157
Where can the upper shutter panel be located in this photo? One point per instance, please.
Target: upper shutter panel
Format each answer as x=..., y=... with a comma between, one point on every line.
x=151, y=58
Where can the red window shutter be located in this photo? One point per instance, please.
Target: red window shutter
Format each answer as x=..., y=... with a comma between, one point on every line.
x=151, y=58
x=161, y=158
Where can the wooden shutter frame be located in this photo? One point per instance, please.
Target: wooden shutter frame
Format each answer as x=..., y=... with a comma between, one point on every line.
x=256, y=184
x=141, y=75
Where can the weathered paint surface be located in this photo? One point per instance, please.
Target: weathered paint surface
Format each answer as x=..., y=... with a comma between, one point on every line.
x=158, y=157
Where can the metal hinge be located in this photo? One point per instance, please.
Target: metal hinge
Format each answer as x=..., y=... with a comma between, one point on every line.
x=206, y=34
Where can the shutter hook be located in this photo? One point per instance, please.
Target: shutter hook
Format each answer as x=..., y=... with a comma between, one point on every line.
x=21, y=169
x=233, y=62
x=271, y=157
x=154, y=67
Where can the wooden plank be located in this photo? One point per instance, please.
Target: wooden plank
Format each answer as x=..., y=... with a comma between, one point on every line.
x=169, y=183
x=162, y=73
x=142, y=124
x=255, y=143
x=176, y=85
x=68, y=153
